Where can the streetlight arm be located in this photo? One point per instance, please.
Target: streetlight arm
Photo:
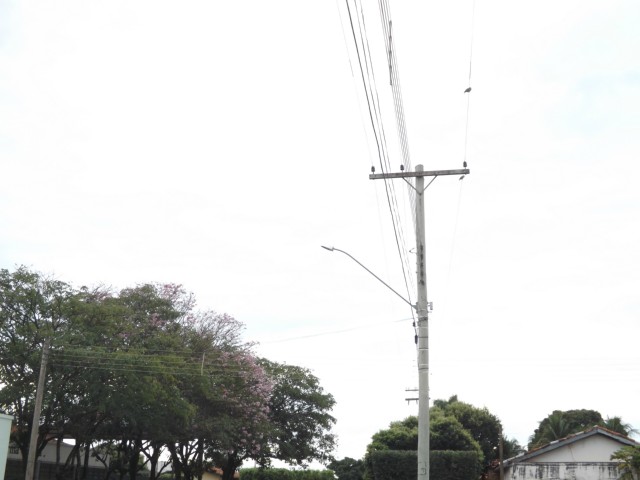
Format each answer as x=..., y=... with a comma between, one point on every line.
x=331, y=249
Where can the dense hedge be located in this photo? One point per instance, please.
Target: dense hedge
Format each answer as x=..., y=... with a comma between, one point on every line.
x=284, y=474
x=444, y=465
x=394, y=464
x=450, y=465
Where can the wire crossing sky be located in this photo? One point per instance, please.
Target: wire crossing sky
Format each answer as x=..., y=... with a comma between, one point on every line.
x=219, y=145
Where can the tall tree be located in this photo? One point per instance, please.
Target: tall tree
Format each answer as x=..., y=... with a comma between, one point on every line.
x=511, y=447
x=400, y=435
x=230, y=394
x=299, y=415
x=615, y=424
x=32, y=307
x=125, y=340
x=483, y=426
x=555, y=428
x=447, y=433
x=141, y=370
x=297, y=425
x=560, y=423
x=243, y=430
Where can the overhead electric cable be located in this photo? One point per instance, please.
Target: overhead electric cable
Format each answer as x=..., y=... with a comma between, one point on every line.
x=382, y=155
x=394, y=208
x=385, y=15
x=468, y=89
x=334, y=332
x=401, y=126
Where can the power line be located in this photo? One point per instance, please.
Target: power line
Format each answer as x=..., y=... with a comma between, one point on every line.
x=394, y=74
x=402, y=137
x=158, y=366
x=468, y=90
x=408, y=279
x=164, y=371
x=137, y=350
x=334, y=332
x=380, y=137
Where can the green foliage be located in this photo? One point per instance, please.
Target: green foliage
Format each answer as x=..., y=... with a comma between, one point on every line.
x=297, y=427
x=629, y=462
x=284, y=474
x=615, y=424
x=299, y=415
x=447, y=433
x=560, y=424
x=444, y=465
x=144, y=367
x=483, y=426
x=348, y=469
x=458, y=430
x=32, y=307
x=402, y=435
x=511, y=447
x=583, y=418
x=393, y=464
x=448, y=465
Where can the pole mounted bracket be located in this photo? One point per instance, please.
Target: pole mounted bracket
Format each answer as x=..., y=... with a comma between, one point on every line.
x=431, y=173
x=426, y=173
x=332, y=249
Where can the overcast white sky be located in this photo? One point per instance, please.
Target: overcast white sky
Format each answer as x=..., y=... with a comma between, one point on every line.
x=219, y=144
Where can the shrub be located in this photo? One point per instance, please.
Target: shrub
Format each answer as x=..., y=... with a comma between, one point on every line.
x=284, y=474
x=444, y=465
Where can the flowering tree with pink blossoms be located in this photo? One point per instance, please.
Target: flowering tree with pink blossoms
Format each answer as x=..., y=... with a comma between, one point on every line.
x=230, y=392
x=292, y=425
x=142, y=372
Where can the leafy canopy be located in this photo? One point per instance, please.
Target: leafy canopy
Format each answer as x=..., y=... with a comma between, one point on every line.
x=141, y=371
x=559, y=424
x=483, y=426
x=347, y=469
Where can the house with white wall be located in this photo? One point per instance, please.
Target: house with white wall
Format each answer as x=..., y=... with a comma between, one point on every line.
x=581, y=456
x=46, y=463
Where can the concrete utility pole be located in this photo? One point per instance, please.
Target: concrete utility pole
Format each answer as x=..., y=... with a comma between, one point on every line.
x=422, y=309
x=35, y=424
x=500, y=453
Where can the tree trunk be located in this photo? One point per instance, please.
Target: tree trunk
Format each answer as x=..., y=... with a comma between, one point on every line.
x=176, y=466
x=229, y=470
x=153, y=462
x=76, y=470
x=85, y=467
x=199, y=461
x=134, y=457
x=58, y=473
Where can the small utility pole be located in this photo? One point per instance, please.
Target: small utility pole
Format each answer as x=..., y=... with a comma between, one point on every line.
x=500, y=455
x=422, y=309
x=35, y=425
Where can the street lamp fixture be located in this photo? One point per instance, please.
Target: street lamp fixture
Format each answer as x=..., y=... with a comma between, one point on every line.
x=331, y=249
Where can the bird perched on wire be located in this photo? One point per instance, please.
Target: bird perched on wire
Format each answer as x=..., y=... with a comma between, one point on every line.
x=467, y=90
x=373, y=169
x=464, y=164
x=401, y=168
